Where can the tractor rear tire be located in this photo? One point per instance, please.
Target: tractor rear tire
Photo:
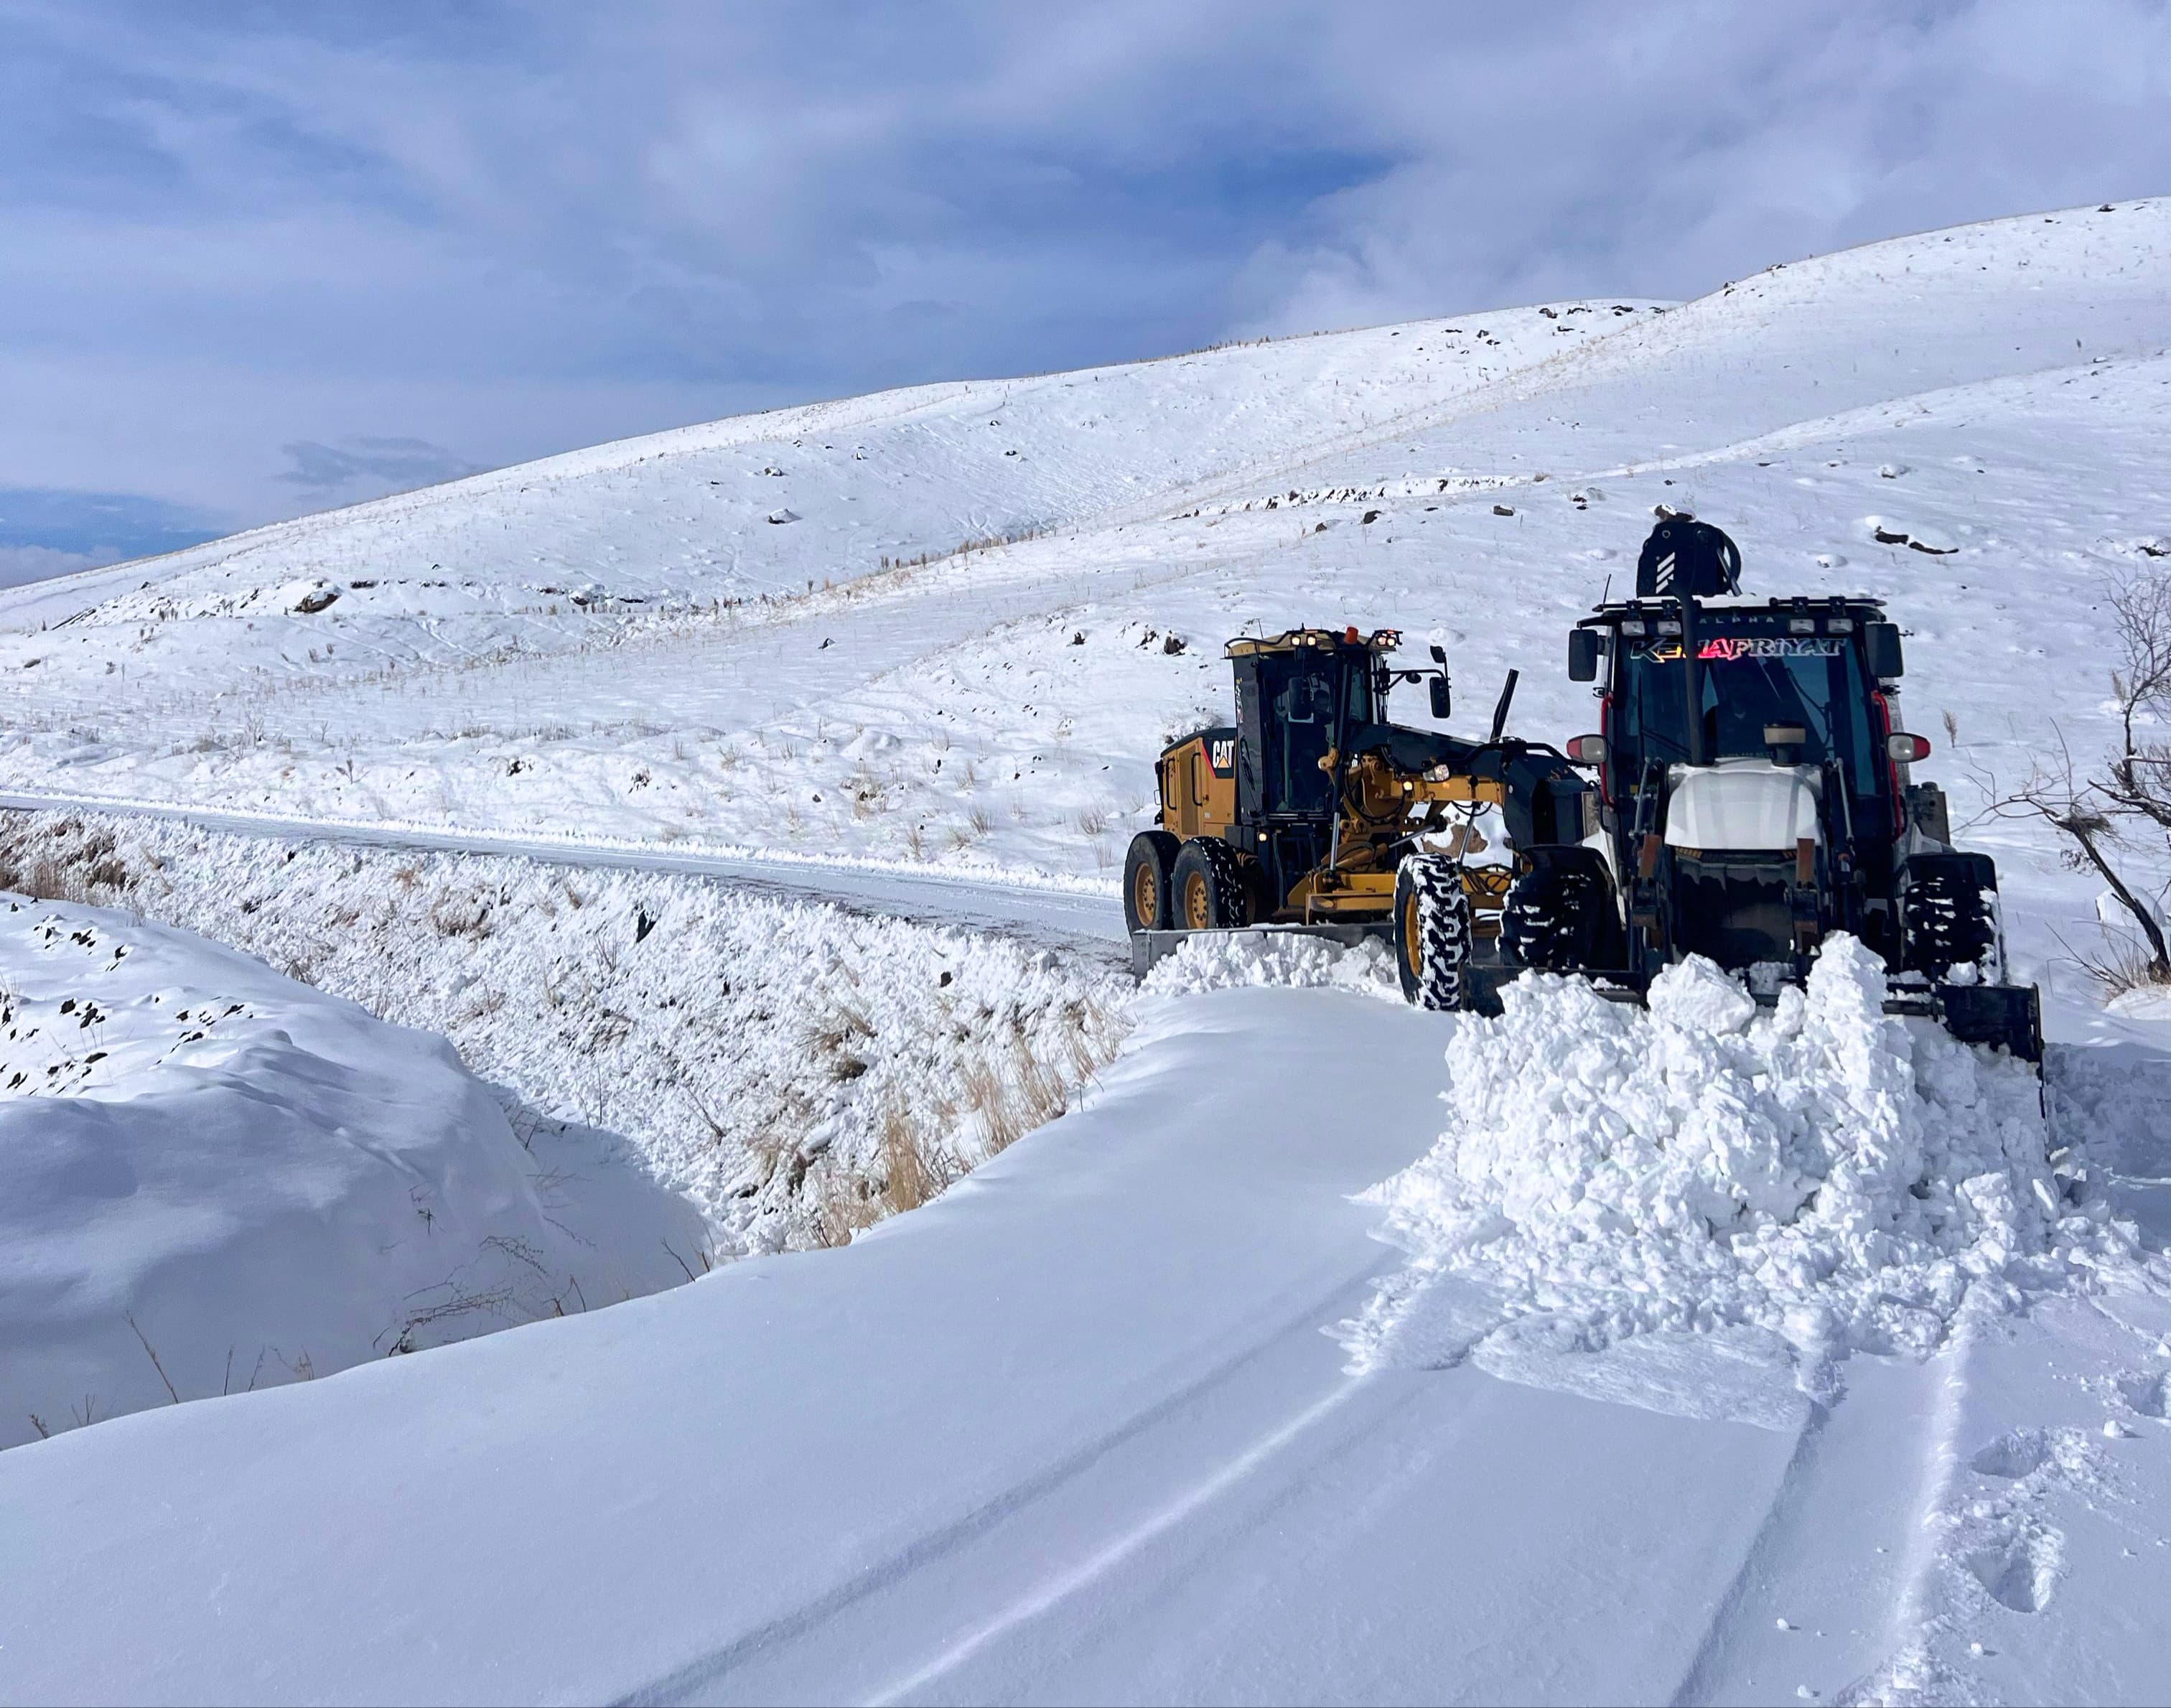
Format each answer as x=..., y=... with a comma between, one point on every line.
x=1432, y=932
x=1149, y=871
x=1558, y=915
x=1210, y=890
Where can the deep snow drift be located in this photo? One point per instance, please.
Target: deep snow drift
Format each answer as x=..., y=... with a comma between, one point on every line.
x=1074, y=1432
x=213, y=1179
x=1807, y=1182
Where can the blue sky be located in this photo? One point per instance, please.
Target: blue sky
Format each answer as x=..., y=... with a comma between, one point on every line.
x=264, y=258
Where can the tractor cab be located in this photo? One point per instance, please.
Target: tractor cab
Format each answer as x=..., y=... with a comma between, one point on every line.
x=1756, y=798
x=1300, y=697
x=1750, y=747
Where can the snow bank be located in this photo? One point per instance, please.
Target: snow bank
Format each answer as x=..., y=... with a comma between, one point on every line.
x=1220, y=961
x=1825, y=1177
x=796, y=1070
x=213, y=1179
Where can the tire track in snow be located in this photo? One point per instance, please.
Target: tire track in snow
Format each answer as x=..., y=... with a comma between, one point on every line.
x=1726, y=1618
x=1814, y=1587
x=702, y=1678
x=1053, y=1591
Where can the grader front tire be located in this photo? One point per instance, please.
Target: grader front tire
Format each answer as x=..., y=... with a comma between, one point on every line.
x=1434, y=931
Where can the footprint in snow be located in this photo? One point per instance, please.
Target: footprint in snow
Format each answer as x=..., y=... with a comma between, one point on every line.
x=2021, y=1571
x=2018, y=1453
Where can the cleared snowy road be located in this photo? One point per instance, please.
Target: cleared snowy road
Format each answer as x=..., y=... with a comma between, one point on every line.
x=1076, y=1432
x=1071, y=917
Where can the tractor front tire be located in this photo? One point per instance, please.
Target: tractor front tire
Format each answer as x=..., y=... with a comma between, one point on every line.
x=1560, y=915
x=1210, y=890
x=1949, y=913
x=1432, y=932
x=1149, y=878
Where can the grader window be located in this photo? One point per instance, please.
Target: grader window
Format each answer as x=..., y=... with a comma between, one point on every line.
x=1313, y=698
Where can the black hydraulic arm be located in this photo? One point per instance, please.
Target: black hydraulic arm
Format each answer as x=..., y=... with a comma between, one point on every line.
x=1500, y=710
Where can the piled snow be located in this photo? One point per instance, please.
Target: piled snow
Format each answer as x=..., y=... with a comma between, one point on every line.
x=1220, y=961
x=1826, y=1174
x=797, y=1071
x=213, y=1179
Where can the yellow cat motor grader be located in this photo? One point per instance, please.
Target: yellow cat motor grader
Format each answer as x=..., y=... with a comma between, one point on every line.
x=1312, y=813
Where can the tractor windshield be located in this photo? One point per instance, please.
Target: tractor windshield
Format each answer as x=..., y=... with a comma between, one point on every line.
x=1814, y=684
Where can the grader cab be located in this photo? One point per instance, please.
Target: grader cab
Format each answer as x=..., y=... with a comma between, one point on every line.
x=1311, y=812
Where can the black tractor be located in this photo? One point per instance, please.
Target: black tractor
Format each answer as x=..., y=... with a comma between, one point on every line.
x=1755, y=795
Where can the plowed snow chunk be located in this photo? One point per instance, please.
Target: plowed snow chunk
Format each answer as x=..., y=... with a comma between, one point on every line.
x=1823, y=1172
x=1217, y=961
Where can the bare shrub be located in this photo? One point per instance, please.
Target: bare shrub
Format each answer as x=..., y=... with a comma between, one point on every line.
x=2120, y=966
x=2098, y=816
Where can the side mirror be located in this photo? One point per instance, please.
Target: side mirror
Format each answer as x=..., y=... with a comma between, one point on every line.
x=1439, y=654
x=1443, y=698
x=1583, y=655
x=1586, y=750
x=1904, y=750
x=1882, y=642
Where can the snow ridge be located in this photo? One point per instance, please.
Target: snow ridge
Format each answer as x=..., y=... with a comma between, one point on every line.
x=1820, y=1180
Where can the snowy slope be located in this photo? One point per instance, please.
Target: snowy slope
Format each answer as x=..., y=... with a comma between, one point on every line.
x=213, y=1179
x=1996, y=392
x=1075, y=1433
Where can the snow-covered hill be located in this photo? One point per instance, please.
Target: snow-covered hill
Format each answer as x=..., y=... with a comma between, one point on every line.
x=1716, y=1357
x=618, y=643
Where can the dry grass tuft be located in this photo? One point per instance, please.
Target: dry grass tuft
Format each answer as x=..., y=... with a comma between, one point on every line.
x=2122, y=967
x=62, y=862
x=1011, y=1101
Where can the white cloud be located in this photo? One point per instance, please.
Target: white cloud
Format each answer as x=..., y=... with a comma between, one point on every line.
x=507, y=231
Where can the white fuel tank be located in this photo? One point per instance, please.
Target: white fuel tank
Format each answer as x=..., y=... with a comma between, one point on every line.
x=1742, y=805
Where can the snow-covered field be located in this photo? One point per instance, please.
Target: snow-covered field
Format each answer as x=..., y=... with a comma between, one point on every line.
x=694, y=1074
x=1687, y=1355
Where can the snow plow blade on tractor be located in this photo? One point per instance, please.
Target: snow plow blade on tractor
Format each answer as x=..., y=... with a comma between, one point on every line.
x=1306, y=816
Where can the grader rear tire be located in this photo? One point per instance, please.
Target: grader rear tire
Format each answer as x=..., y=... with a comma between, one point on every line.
x=1210, y=891
x=1149, y=871
x=1432, y=932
